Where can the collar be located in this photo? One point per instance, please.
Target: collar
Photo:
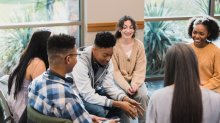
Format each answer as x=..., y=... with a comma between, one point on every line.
x=68, y=79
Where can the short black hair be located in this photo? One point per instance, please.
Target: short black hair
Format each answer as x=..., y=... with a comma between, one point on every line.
x=209, y=22
x=105, y=40
x=60, y=43
x=120, y=25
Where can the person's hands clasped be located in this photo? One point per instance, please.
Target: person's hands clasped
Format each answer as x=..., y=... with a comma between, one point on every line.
x=132, y=90
x=129, y=109
x=137, y=105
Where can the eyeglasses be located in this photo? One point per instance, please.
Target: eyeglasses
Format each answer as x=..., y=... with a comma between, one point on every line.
x=71, y=54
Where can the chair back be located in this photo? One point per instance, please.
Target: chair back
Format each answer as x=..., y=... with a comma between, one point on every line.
x=34, y=116
x=5, y=114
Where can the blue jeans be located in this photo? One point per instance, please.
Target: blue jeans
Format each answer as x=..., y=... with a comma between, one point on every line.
x=101, y=111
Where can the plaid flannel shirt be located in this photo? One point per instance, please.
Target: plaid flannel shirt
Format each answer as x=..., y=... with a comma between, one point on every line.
x=54, y=95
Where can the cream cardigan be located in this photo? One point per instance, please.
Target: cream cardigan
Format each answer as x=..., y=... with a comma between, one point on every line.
x=130, y=70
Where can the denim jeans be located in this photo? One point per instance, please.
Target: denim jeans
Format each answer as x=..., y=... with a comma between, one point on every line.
x=102, y=111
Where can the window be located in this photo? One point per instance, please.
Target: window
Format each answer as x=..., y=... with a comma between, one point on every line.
x=166, y=23
x=20, y=18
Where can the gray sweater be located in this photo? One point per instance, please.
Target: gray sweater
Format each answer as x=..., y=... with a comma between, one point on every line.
x=159, y=107
x=84, y=80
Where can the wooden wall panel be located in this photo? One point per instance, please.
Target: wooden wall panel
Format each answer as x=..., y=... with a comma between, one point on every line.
x=108, y=26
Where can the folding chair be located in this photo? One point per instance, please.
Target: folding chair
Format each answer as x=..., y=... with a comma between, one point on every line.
x=5, y=114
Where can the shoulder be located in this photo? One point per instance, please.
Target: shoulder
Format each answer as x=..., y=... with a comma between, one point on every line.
x=37, y=61
x=213, y=46
x=85, y=53
x=163, y=93
x=38, y=82
x=139, y=44
x=117, y=47
x=214, y=49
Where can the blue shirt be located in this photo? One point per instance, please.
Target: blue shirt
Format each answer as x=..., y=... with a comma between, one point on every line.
x=54, y=95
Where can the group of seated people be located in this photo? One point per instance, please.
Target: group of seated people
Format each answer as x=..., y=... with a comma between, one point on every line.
x=105, y=81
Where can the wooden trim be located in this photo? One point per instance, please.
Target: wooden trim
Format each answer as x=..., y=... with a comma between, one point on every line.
x=39, y=24
x=108, y=26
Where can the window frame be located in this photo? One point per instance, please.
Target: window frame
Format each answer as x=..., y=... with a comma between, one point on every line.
x=181, y=18
x=79, y=23
x=178, y=18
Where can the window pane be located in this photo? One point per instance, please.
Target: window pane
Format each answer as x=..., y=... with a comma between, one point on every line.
x=158, y=37
x=14, y=11
x=217, y=7
x=13, y=42
x=169, y=8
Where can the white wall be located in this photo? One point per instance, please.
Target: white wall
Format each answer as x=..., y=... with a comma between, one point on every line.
x=99, y=11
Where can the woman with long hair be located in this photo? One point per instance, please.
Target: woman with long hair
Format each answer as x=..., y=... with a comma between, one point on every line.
x=33, y=62
x=183, y=100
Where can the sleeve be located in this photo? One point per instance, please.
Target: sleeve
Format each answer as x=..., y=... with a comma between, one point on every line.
x=112, y=89
x=140, y=67
x=83, y=83
x=72, y=109
x=214, y=82
x=62, y=107
x=119, y=79
x=151, y=112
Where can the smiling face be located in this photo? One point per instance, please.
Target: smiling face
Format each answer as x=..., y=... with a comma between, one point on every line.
x=200, y=35
x=127, y=30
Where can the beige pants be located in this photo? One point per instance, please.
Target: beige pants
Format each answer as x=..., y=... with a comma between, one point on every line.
x=141, y=97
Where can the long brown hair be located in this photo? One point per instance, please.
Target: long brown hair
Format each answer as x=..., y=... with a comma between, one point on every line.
x=181, y=69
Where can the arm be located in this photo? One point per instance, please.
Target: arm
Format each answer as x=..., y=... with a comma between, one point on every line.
x=83, y=84
x=214, y=81
x=120, y=80
x=129, y=109
x=72, y=109
x=140, y=67
x=111, y=88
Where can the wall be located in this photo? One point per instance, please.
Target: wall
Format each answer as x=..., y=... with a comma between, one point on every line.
x=101, y=11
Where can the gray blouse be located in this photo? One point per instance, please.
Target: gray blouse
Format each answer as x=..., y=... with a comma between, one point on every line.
x=18, y=105
x=159, y=107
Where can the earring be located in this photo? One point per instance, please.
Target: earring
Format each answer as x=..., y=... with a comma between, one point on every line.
x=208, y=41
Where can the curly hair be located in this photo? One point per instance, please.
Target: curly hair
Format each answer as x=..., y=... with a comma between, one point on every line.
x=121, y=23
x=105, y=40
x=209, y=22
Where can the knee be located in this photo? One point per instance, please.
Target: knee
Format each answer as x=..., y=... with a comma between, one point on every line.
x=100, y=112
x=143, y=97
